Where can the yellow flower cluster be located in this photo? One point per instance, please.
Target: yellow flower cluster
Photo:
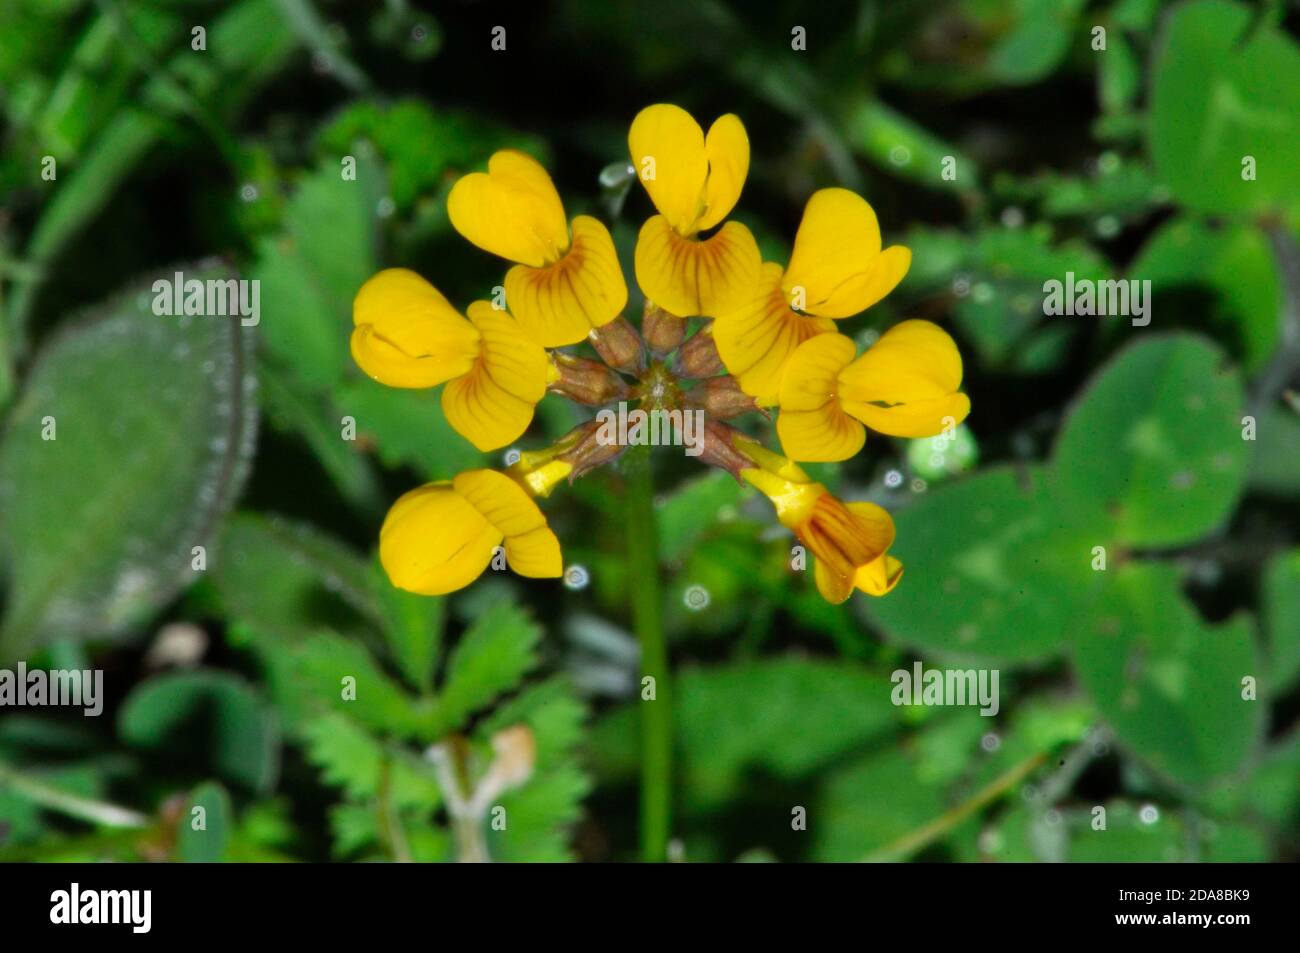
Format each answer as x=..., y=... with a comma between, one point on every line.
x=772, y=332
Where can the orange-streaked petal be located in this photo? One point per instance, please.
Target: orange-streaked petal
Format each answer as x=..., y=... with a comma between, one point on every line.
x=668, y=153
x=880, y=576
x=512, y=210
x=492, y=405
x=686, y=277
x=503, y=502
x=837, y=268
x=585, y=289
x=727, y=149
x=407, y=334
x=906, y=384
x=756, y=339
x=434, y=541
x=833, y=587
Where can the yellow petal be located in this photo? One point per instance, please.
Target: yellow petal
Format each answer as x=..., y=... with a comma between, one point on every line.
x=493, y=404
x=512, y=210
x=837, y=263
x=407, y=334
x=434, y=541
x=668, y=153
x=846, y=539
x=757, y=338
x=502, y=502
x=812, y=372
x=585, y=289
x=727, y=149
x=879, y=577
x=905, y=385
x=819, y=436
x=535, y=554
x=686, y=277
x=833, y=587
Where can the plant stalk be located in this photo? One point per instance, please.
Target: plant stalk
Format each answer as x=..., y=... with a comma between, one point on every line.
x=647, y=619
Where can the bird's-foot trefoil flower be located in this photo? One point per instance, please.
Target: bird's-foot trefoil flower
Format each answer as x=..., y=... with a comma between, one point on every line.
x=442, y=536
x=406, y=334
x=904, y=385
x=567, y=279
x=693, y=180
x=849, y=541
x=769, y=340
x=837, y=269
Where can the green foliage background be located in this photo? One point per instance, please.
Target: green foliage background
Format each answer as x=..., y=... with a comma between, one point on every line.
x=1120, y=688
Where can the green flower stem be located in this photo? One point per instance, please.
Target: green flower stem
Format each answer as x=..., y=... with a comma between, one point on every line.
x=53, y=799
x=647, y=618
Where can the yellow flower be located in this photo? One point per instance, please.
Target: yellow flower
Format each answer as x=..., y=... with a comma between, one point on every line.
x=567, y=279
x=408, y=335
x=694, y=181
x=905, y=385
x=440, y=537
x=837, y=269
x=849, y=541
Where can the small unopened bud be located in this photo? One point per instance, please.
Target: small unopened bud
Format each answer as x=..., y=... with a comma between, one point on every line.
x=721, y=397
x=587, y=382
x=663, y=332
x=588, y=448
x=720, y=449
x=619, y=345
x=698, y=357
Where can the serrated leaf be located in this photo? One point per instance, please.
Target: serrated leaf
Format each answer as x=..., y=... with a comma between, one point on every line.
x=491, y=659
x=351, y=758
x=150, y=423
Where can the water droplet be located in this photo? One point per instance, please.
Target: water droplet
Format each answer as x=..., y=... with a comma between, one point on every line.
x=512, y=457
x=248, y=192
x=696, y=598
x=900, y=155
x=1013, y=216
x=919, y=485
x=961, y=285
x=991, y=741
x=1149, y=814
x=1107, y=226
x=576, y=577
x=385, y=207
x=893, y=478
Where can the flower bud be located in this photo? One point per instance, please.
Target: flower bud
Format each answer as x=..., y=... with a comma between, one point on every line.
x=698, y=357
x=720, y=449
x=619, y=345
x=663, y=332
x=587, y=382
x=721, y=397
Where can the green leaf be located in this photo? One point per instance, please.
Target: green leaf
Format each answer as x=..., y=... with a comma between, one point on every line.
x=209, y=845
x=1153, y=448
x=238, y=730
x=1280, y=609
x=1038, y=41
x=150, y=425
x=490, y=659
x=312, y=272
x=1225, y=87
x=412, y=627
x=1233, y=264
x=990, y=570
x=288, y=580
x=370, y=697
x=1170, y=685
x=869, y=804
x=540, y=814
x=351, y=758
